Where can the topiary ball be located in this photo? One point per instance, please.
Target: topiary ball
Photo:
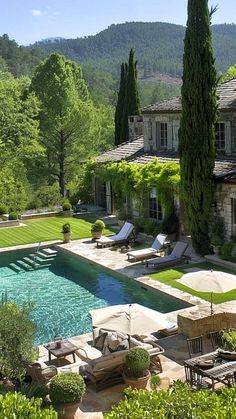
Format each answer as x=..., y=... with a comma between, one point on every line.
x=137, y=362
x=67, y=388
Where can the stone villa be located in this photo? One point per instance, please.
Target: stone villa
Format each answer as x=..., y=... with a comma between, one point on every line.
x=155, y=135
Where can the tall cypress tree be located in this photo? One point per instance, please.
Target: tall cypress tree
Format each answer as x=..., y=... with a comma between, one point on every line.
x=197, y=127
x=128, y=99
x=120, y=104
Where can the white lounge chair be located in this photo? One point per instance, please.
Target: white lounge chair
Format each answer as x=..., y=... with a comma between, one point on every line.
x=175, y=256
x=148, y=252
x=122, y=237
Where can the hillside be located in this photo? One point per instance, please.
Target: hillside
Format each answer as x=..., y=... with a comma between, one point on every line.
x=158, y=46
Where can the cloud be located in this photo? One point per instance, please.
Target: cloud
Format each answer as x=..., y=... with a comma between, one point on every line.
x=36, y=12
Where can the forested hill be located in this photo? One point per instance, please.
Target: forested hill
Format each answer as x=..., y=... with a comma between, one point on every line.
x=158, y=46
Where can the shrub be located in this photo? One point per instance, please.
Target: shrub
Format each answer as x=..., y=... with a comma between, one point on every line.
x=13, y=216
x=147, y=226
x=3, y=209
x=226, y=249
x=99, y=225
x=67, y=388
x=17, y=336
x=48, y=195
x=177, y=403
x=66, y=205
x=229, y=340
x=217, y=230
x=137, y=362
x=66, y=228
x=155, y=381
x=170, y=224
x=16, y=405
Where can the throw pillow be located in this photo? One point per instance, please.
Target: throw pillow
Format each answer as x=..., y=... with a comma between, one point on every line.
x=99, y=341
x=123, y=345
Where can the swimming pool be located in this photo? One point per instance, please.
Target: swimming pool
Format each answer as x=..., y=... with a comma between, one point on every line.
x=67, y=288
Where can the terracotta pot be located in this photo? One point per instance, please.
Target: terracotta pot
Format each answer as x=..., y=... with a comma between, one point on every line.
x=138, y=383
x=67, y=410
x=66, y=237
x=96, y=234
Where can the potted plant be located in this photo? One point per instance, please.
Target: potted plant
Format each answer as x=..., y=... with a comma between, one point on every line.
x=67, y=208
x=66, y=230
x=66, y=391
x=136, y=373
x=97, y=228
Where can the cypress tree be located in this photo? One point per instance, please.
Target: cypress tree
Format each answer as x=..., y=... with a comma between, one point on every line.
x=197, y=127
x=120, y=104
x=128, y=102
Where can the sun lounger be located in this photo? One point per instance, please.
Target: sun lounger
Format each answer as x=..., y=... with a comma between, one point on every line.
x=175, y=257
x=120, y=238
x=148, y=252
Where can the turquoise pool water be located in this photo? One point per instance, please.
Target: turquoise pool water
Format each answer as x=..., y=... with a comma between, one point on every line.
x=67, y=289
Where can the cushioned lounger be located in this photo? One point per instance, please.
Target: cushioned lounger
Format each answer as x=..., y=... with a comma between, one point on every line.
x=121, y=237
x=148, y=252
x=175, y=256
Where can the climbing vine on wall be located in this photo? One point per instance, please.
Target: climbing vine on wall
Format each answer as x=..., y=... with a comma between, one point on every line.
x=130, y=179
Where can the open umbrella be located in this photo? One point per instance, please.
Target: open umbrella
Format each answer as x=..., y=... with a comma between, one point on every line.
x=209, y=281
x=128, y=318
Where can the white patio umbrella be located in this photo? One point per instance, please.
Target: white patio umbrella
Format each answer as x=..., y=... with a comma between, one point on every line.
x=128, y=318
x=209, y=281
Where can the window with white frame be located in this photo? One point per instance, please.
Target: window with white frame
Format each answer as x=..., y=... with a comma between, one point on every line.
x=220, y=137
x=163, y=134
x=155, y=208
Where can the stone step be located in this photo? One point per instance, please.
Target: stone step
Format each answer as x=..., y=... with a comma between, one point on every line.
x=15, y=267
x=40, y=258
x=31, y=262
x=49, y=251
x=24, y=265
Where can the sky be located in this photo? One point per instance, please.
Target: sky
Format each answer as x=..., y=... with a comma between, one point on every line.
x=28, y=21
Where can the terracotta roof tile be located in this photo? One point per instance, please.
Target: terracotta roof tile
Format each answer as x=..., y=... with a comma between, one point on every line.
x=127, y=150
x=225, y=91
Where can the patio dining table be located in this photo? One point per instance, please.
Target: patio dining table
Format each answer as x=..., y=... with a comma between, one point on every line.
x=198, y=369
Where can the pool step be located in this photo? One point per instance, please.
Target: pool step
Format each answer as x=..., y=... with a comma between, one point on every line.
x=38, y=258
x=24, y=265
x=31, y=262
x=49, y=252
x=15, y=267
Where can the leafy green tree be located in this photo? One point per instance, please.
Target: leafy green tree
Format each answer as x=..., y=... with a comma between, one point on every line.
x=230, y=73
x=197, y=128
x=68, y=119
x=19, y=144
x=120, y=104
x=17, y=335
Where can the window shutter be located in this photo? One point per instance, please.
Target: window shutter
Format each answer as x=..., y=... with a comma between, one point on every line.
x=158, y=135
x=228, y=140
x=175, y=143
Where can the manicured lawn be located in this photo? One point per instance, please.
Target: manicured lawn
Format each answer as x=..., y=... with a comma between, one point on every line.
x=44, y=229
x=169, y=276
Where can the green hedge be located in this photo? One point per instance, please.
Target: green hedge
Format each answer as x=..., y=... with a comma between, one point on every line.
x=178, y=403
x=16, y=405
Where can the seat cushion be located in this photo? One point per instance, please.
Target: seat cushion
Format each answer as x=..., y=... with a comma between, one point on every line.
x=88, y=352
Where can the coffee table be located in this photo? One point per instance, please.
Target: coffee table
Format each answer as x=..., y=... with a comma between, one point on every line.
x=67, y=348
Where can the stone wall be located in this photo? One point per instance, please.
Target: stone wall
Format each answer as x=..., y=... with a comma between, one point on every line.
x=224, y=193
